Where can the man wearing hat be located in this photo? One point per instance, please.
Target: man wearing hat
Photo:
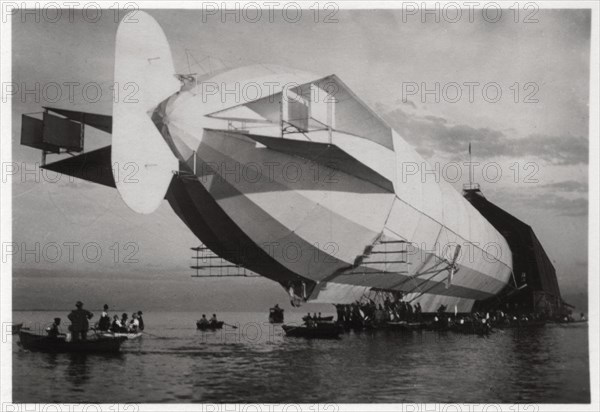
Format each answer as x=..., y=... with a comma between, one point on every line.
x=79, y=322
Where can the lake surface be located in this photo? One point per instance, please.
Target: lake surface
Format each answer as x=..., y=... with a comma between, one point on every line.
x=256, y=363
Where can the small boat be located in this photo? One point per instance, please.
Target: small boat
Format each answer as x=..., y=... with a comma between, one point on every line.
x=471, y=328
x=569, y=321
x=275, y=315
x=321, y=319
x=42, y=343
x=442, y=325
x=318, y=331
x=210, y=325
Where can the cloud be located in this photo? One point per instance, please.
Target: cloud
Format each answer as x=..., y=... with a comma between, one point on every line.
x=567, y=186
x=550, y=203
x=559, y=150
x=563, y=206
x=433, y=134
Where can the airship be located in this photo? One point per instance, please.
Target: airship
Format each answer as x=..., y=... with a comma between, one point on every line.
x=283, y=172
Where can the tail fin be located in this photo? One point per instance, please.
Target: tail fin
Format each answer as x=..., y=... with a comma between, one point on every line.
x=144, y=70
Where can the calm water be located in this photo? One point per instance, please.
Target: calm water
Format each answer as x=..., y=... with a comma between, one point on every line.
x=256, y=363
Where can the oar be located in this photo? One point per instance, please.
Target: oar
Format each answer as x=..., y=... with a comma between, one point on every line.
x=233, y=326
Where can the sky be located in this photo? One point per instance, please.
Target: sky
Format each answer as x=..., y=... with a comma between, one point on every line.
x=535, y=132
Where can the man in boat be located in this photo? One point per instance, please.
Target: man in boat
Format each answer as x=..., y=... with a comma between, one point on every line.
x=340, y=313
x=277, y=309
x=418, y=312
x=124, y=320
x=310, y=321
x=116, y=324
x=104, y=322
x=134, y=325
x=140, y=320
x=379, y=315
x=203, y=320
x=53, y=330
x=213, y=320
x=79, y=322
x=409, y=312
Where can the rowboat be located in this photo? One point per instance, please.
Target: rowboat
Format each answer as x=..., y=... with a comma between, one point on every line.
x=318, y=331
x=42, y=343
x=569, y=322
x=471, y=328
x=209, y=326
x=321, y=319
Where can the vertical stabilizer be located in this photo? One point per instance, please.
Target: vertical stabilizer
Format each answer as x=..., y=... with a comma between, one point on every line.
x=144, y=76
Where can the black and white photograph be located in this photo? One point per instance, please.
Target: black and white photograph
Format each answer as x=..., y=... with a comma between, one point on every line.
x=299, y=206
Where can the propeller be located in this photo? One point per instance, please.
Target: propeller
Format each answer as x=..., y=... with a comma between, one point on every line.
x=453, y=267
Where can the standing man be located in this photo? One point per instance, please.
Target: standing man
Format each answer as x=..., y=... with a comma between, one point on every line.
x=141, y=320
x=79, y=322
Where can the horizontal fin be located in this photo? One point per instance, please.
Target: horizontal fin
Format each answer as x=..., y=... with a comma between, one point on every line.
x=94, y=166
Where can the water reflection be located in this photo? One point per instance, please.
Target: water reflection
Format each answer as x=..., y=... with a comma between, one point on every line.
x=78, y=370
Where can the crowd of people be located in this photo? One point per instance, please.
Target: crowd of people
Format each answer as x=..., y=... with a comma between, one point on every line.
x=80, y=324
x=312, y=320
x=369, y=311
x=498, y=318
x=122, y=325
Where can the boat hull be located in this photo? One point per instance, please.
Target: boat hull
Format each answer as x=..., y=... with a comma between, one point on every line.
x=128, y=336
x=40, y=343
x=210, y=326
x=16, y=328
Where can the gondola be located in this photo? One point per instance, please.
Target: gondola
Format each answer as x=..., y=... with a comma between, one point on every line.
x=210, y=325
x=317, y=331
x=42, y=343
